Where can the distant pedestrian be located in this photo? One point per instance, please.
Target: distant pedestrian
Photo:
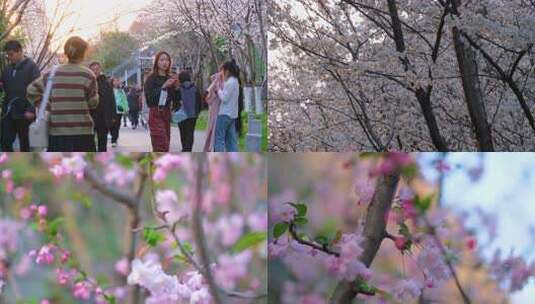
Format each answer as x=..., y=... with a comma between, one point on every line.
x=121, y=103
x=133, y=105
x=190, y=98
x=104, y=114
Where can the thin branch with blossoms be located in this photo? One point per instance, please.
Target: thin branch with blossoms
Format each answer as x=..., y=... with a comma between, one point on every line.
x=198, y=230
x=374, y=232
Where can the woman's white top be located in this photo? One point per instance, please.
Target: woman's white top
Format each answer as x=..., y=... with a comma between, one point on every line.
x=229, y=97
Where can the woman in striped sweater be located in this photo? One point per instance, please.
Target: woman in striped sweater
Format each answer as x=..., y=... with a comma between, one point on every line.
x=74, y=94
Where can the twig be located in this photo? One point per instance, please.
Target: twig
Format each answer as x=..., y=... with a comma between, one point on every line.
x=296, y=237
x=198, y=230
x=465, y=297
x=374, y=232
x=119, y=196
x=134, y=222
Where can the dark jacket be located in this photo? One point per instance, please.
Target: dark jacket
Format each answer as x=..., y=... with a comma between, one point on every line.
x=153, y=88
x=190, y=99
x=105, y=111
x=133, y=99
x=16, y=78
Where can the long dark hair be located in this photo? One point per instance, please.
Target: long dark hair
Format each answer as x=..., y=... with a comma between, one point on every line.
x=234, y=71
x=156, y=59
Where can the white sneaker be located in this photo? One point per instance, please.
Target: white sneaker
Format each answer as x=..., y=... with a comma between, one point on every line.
x=114, y=145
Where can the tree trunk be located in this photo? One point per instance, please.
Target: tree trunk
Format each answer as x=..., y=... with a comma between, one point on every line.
x=422, y=96
x=472, y=90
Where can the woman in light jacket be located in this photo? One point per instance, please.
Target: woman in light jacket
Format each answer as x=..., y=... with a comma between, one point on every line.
x=226, y=134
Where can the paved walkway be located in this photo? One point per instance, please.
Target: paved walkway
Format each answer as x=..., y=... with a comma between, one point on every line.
x=139, y=140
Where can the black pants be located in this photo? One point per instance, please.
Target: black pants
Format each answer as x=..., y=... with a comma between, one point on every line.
x=124, y=119
x=134, y=118
x=71, y=143
x=102, y=138
x=115, y=129
x=187, y=131
x=10, y=129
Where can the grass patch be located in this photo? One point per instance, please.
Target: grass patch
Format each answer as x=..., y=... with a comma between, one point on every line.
x=202, y=121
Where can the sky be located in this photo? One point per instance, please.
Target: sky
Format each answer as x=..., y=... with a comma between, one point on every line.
x=89, y=16
x=507, y=188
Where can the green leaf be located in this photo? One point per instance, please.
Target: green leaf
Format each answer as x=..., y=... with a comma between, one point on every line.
x=124, y=160
x=54, y=226
x=152, y=237
x=249, y=240
x=279, y=229
x=424, y=203
x=404, y=230
x=409, y=171
x=301, y=209
x=323, y=240
x=110, y=299
x=300, y=220
x=188, y=247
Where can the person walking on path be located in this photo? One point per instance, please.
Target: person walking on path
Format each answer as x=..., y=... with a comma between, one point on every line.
x=121, y=109
x=134, y=96
x=226, y=131
x=74, y=93
x=160, y=95
x=104, y=114
x=190, y=98
x=17, y=112
x=214, y=103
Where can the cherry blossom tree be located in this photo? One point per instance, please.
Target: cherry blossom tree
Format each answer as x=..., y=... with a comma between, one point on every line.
x=368, y=228
x=401, y=75
x=195, y=227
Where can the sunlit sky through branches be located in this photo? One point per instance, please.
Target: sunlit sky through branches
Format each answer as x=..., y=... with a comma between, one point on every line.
x=89, y=17
x=507, y=189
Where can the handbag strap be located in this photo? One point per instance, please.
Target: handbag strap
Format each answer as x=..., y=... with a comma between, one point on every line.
x=46, y=94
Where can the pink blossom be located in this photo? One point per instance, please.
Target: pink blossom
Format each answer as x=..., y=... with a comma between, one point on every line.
x=278, y=248
x=431, y=262
x=82, y=290
x=63, y=277
x=7, y=174
x=257, y=221
x=118, y=175
x=45, y=255
x=407, y=290
x=365, y=190
x=230, y=269
x=44, y=301
x=65, y=255
x=42, y=210
x=123, y=266
x=442, y=166
x=471, y=243
x=230, y=228
x=10, y=186
x=3, y=158
x=167, y=163
x=25, y=213
x=284, y=213
x=74, y=166
x=224, y=193
x=167, y=203
x=19, y=193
